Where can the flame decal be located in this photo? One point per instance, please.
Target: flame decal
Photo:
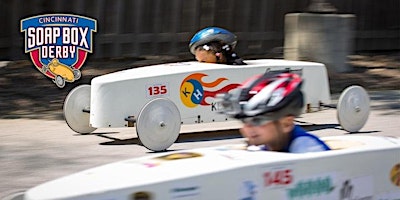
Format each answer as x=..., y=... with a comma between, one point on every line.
x=193, y=92
x=199, y=76
x=213, y=93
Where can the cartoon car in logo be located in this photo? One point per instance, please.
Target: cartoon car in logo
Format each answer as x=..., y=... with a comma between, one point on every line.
x=61, y=72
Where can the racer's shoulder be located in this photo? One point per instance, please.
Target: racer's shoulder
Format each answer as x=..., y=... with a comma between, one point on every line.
x=307, y=143
x=303, y=141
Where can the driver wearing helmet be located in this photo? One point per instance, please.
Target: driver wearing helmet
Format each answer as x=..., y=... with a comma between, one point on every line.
x=215, y=45
x=267, y=105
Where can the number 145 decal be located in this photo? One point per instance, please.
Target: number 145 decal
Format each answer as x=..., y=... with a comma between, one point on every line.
x=157, y=90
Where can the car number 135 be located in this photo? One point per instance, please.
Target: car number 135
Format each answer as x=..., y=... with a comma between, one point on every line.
x=157, y=90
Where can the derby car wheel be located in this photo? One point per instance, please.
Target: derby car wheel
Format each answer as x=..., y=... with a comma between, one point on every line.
x=353, y=108
x=78, y=100
x=44, y=69
x=158, y=124
x=59, y=81
x=77, y=74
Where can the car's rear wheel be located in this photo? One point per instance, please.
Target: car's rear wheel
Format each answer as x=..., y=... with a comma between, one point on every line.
x=353, y=108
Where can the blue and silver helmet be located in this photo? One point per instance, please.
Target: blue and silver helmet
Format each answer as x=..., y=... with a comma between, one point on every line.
x=212, y=34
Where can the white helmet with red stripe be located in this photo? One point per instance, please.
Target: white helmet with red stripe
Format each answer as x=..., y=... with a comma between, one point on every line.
x=270, y=95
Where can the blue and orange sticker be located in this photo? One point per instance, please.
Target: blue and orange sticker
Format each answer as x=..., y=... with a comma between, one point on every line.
x=194, y=91
x=58, y=44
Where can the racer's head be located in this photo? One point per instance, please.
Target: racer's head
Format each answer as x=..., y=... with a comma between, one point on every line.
x=211, y=44
x=267, y=105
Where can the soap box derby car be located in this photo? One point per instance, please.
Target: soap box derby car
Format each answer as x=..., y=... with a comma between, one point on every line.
x=358, y=167
x=158, y=99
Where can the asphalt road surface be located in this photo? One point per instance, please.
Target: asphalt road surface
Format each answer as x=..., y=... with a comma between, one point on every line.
x=36, y=151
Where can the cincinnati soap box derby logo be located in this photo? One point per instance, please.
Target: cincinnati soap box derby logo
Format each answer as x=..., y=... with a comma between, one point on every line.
x=58, y=44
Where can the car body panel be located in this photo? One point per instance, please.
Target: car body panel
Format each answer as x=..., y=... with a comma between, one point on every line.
x=119, y=95
x=367, y=168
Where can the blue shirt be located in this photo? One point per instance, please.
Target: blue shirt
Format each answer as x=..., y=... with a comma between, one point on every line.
x=303, y=142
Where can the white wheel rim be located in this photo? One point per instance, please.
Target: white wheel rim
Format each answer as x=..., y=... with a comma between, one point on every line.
x=158, y=124
x=353, y=108
x=77, y=100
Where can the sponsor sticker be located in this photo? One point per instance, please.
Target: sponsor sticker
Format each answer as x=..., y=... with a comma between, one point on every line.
x=141, y=196
x=157, y=161
x=395, y=175
x=194, y=91
x=185, y=192
x=58, y=44
x=360, y=188
x=180, y=155
x=314, y=187
x=248, y=190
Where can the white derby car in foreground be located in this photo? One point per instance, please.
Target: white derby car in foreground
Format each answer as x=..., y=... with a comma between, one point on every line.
x=360, y=167
x=158, y=99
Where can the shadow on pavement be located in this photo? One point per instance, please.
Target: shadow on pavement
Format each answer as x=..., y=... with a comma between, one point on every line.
x=116, y=141
x=212, y=135
x=184, y=137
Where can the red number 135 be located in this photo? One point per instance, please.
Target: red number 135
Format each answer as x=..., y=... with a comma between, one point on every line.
x=157, y=90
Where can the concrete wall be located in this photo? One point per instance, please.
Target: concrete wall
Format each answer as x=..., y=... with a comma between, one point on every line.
x=325, y=38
